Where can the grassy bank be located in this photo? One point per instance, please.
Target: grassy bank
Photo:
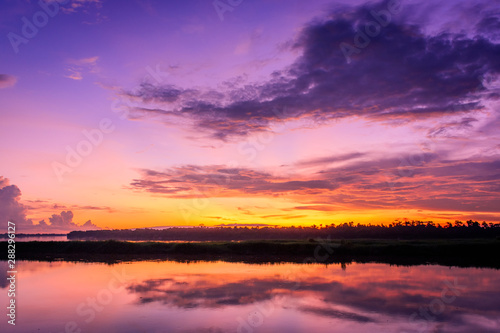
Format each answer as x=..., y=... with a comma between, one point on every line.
x=458, y=252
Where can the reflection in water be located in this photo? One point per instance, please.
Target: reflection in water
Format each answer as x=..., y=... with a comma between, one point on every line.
x=236, y=297
x=63, y=238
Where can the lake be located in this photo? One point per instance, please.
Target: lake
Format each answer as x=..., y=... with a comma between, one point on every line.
x=217, y=297
x=38, y=239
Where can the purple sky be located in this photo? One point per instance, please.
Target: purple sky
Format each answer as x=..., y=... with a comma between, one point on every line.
x=147, y=113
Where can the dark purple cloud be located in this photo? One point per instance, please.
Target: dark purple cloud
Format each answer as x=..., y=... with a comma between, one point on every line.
x=490, y=25
x=400, y=73
x=10, y=208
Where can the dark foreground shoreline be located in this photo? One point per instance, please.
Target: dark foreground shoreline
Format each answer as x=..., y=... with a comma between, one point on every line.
x=457, y=252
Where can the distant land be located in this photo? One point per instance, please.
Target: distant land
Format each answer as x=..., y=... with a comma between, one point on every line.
x=32, y=235
x=398, y=230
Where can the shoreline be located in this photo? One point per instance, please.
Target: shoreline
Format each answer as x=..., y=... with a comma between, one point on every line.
x=456, y=252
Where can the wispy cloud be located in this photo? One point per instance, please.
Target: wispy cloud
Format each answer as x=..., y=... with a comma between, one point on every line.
x=76, y=68
x=331, y=159
x=77, y=5
x=41, y=206
x=216, y=180
x=375, y=183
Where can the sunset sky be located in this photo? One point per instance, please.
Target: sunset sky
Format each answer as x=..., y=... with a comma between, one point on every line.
x=157, y=113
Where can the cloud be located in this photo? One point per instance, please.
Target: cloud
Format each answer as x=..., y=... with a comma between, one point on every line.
x=490, y=26
x=246, y=225
x=283, y=216
x=215, y=180
x=40, y=206
x=331, y=159
x=414, y=181
x=452, y=129
x=372, y=294
x=84, y=5
x=202, y=293
x=74, y=75
x=403, y=74
x=77, y=67
x=336, y=314
x=91, y=61
x=323, y=208
x=7, y=81
x=425, y=181
x=11, y=209
x=355, y=300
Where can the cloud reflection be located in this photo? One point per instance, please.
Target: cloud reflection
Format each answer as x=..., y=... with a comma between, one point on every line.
x=358, y=298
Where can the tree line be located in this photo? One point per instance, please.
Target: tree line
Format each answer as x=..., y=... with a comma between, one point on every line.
x=395, y=230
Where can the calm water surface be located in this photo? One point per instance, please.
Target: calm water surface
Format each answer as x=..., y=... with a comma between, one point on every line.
x=38, y=239
x=235, y=297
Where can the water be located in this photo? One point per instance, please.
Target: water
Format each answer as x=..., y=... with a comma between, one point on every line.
x=221, y=297
x=38, y=239
x=64, y=238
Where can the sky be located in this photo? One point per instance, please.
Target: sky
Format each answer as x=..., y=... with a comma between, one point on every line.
x=128, y=114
